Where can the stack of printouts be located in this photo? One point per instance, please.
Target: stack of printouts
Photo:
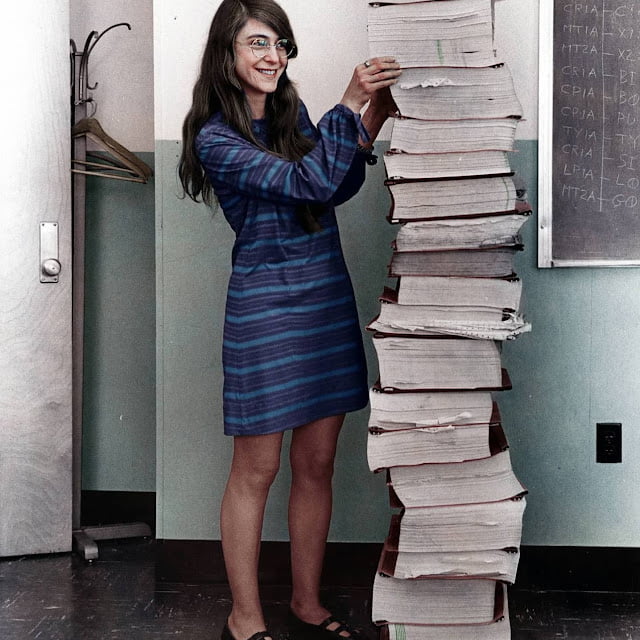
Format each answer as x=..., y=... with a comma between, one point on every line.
x=435, y=428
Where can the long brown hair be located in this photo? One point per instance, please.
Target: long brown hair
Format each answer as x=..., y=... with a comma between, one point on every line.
x=218, y=89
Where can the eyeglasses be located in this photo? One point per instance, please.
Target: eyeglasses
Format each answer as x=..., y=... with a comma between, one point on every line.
x=261, y=46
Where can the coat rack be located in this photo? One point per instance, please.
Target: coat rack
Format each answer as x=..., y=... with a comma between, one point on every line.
x=113, y=161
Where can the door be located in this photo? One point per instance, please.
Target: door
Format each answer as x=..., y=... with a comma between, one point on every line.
x=35, y=316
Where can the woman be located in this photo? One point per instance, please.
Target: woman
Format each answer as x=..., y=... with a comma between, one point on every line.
x=292, y=351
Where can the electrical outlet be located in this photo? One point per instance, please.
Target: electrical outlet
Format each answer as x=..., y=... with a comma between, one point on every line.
x=608, y=442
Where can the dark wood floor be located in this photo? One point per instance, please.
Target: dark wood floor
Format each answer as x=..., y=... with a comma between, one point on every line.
x=116, y=598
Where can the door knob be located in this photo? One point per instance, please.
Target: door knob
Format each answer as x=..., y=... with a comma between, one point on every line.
x=51, y=267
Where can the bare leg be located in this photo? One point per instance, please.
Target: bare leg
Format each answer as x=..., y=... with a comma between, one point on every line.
x=312, y=454
x=256, y=460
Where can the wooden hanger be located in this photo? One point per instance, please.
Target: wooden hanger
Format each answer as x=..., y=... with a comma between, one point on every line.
x=119, y=164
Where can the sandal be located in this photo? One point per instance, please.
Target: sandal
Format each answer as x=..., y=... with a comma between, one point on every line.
x=261, y=635
x=308, y=630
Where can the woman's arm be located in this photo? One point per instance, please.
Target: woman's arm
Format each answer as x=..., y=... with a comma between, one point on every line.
x=381, y=106
x=372, y=81
x=234, y=164
x=352, y=181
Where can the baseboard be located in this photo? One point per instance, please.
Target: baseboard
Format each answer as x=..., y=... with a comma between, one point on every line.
x=346, y=564
x=116, y=507
x=579, y=569
x=354, y=565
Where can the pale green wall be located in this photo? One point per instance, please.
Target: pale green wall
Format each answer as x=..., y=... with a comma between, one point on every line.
x=193, y=455
x=119, y=391
x=119, y=359
x=579, y=366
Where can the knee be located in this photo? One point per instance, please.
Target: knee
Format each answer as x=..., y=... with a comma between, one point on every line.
x=316, y=469
x=257, y=477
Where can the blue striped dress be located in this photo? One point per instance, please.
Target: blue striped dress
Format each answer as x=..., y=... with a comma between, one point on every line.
x=292, y=350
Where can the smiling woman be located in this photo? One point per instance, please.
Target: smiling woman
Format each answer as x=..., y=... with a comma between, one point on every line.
x=259, y=64
x=293, y=357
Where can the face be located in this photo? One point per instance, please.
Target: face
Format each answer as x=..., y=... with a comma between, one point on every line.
x=258, y=76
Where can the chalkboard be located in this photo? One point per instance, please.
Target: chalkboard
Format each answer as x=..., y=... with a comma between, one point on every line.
x=589, y=153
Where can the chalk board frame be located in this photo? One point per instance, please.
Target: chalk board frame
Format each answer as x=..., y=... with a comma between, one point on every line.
x=545, y=135
x=545, y=153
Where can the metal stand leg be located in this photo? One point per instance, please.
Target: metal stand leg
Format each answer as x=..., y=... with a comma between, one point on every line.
x=84, y=538
x=84, y=545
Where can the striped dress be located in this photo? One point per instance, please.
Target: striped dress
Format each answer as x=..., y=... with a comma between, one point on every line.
x=292, y=350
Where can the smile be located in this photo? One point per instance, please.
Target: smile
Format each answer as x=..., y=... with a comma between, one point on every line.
x=267, y=72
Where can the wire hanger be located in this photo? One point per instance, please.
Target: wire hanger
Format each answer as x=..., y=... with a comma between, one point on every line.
x=118, y=163
x=114, y=161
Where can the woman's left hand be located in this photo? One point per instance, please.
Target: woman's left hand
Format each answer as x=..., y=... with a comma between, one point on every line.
x=370, y=79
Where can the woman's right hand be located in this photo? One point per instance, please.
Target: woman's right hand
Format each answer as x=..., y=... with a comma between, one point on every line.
x=368, y=78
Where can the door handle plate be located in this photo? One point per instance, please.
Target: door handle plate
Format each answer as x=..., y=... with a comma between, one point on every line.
x=49, y=259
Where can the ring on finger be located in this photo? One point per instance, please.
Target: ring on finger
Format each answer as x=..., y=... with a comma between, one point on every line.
x=367, y=64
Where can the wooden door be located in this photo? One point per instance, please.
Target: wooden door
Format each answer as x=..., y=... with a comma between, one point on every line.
x=35, y=316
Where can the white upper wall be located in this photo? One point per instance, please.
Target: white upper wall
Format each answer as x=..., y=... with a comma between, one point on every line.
x=516, y=37
x=122, y=65
x=332, y=35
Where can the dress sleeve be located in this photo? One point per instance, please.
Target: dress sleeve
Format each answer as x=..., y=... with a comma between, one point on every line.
x=353, y=180
x=233, y=163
